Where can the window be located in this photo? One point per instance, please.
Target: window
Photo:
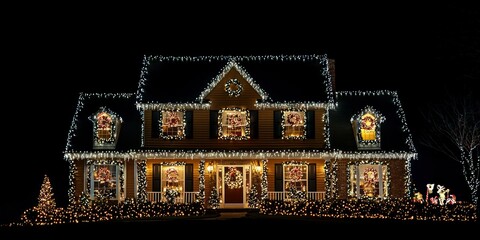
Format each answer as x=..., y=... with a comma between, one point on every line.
x=295, y=178
x=293, y=124
x=172, y=125
x=173, y=179
x=233, y=124
x=366, y=126
x=106, y=126
x=368, y=180
x=104, y=181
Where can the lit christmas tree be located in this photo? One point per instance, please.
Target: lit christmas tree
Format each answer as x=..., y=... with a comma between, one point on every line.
x=46, y=202
x=253, y=200
x=214, y=200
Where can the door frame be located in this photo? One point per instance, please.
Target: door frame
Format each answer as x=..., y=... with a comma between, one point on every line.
x=245, y=190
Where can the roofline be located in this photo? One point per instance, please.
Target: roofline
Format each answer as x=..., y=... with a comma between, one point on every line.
x=83, y=96
x=323, y=59
x=396, y=101
x=184, y=155
x=206, y=106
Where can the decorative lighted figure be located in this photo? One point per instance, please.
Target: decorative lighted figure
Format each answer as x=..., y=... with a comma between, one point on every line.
x=234, y=178
x=452, y=199
x=418, y=197
x=430, y=187
x=442, y=193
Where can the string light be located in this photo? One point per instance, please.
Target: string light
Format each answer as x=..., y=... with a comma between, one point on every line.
x=379, y=118
x=237, y=113
x=142, y=180
x=303, y=123
x=264, y=179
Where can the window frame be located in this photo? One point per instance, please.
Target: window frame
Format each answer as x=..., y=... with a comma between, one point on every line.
x=358, y=128
x=161, y=124
x=286, y=173
x=116, y=181
x=286, y=125
x=245, y=128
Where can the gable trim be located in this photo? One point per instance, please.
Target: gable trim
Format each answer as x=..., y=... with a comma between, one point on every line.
x=232, y=64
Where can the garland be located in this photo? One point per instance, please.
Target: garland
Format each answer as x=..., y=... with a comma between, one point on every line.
x=233, y=87
x=104, y=121
x=233, y=178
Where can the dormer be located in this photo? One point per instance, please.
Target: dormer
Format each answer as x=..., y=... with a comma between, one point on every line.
x=366, y=127
x=106, y=128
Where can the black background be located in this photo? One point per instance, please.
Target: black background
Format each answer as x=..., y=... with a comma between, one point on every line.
x=50, y=58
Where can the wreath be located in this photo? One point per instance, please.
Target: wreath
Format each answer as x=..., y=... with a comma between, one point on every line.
x=295, y=174
x=368, y=123
x=103, y=175
x=172, y=119
x=294, y=118
x=370, y=175
x=235, y=120
x=104, y=121
x=172, y=175
x=233, y=87
x=234, y=178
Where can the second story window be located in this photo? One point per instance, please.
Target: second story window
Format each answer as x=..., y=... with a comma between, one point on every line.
x=366, y=127
x=172, y=124
x=293, y=124
x=106, y=127
x=234, y=124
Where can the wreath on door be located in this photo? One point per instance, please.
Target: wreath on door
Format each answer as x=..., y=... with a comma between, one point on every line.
x=233, y=178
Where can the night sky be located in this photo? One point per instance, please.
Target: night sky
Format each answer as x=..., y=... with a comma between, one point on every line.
x=422, y=53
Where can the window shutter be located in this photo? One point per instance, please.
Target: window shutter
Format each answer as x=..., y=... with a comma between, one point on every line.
x=254, y=124
x=310, y=124
x=189, y=177
x=155, y=124
x=157, y=177
x=312, y=177
x=277, y=124
x=279, y=177
x=213, y=124
x=189, y=124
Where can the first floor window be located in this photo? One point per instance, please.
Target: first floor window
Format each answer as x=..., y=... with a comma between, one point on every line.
x=173, y=178
x=295, y=179
x=104, y=181
x=368, y=180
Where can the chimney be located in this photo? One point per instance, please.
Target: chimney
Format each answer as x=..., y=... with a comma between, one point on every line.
x=331, y=69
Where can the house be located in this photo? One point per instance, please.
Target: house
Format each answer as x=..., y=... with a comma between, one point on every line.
x=274, y=125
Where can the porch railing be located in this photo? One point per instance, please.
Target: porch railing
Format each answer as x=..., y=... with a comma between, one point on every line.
x=186, y=197
x=284, y=195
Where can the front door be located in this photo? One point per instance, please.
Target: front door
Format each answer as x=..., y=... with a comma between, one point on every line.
x=234, y=181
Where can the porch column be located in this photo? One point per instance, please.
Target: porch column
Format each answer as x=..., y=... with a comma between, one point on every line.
x=328, y=179
x=141, y=167
x=264, y=180
x=201, y=181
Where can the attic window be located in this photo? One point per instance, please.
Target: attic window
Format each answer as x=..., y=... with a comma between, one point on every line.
x=366, y=127
x=234, y=124
x=172, y=125
x=106, y=127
